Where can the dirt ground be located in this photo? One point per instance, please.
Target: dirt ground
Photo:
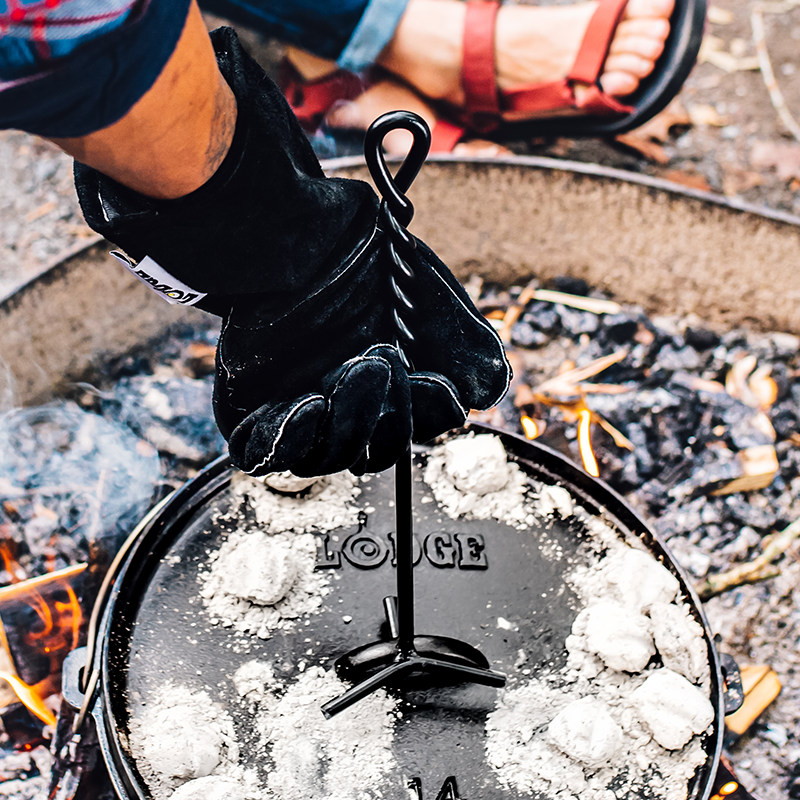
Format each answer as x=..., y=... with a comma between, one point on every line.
x=734, y=143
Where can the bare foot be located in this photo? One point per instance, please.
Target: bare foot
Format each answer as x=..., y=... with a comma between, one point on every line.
x=534, y=45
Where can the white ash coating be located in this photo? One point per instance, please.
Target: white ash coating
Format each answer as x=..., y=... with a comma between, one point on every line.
x=554, y=498
x=581, y=729
x=181, y=735
x=477, y=465
x=679, y=640
x=344, y=758
x=246, y=561
x=260, y=569
x=632, y=577
x=257, y=582
x=255, y=682
x=525, y=759
x=585, y=731
x=287, y=482
x=212, y=787
x=517, y=745
x=446, y=470
x=620, y=637
x=326, y=505
x=672, y=708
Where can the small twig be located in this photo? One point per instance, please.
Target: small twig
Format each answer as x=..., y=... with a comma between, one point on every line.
x=530, y=292
x=775, y=94
x=567, y=381
x=757, y=570
x=595, y=305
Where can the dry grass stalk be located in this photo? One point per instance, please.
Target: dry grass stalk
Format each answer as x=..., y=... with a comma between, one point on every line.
x=758, y=569
x=765, y=65
x=530, y=292
x=593, y=304
x=567, y=383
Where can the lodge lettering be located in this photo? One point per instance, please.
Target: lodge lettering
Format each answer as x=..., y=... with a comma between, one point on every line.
x=365, y=550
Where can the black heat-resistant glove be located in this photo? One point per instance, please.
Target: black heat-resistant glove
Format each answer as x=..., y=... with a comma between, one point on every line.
x=307, y=379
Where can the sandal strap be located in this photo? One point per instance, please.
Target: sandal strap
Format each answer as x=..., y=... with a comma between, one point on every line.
x=596, y=42
x=586, y=69
x=445, y=136
x=311, y=100
x=478, y=79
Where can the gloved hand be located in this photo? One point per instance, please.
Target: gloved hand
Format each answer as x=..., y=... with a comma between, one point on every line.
x=307, y=378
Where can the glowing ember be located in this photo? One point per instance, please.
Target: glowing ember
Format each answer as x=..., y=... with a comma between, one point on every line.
x=585, y=443
x=728, y=789
x=31, y=700
x=531, y=427
x=10, y=565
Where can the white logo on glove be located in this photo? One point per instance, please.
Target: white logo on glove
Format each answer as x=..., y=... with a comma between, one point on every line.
x=154, y=276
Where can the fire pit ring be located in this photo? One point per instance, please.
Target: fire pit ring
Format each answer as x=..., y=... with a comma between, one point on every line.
x=147, y=615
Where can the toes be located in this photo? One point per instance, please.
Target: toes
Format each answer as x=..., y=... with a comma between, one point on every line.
x=634, y=65
x=618, y=84
x=649, y=49
x=649, y=8
x=649, y=28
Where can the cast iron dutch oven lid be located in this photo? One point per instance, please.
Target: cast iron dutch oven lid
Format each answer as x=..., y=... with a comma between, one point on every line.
x=484, y=583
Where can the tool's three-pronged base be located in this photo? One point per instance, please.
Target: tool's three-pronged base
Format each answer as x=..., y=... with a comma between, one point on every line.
x=428, y=661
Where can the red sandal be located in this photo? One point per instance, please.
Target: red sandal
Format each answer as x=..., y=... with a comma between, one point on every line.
x=485, y=101
x=312, y=100
x=604, y=115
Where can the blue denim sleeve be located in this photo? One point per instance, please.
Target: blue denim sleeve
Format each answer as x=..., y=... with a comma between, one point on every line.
x=71, y=67
x=352, y=32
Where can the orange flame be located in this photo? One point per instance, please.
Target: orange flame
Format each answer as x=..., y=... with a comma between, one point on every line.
x=31, y=700
x=56, y=633
x=10, y=565
x=530, y=427
x=585, y=442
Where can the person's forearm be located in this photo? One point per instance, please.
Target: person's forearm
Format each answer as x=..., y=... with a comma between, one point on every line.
x=176, y=136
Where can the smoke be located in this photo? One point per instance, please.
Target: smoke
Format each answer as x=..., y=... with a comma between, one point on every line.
x=8, y=387
x=69, y=477
x=330, y=142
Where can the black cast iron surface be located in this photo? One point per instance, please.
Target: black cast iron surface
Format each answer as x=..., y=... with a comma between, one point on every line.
x=157, y=630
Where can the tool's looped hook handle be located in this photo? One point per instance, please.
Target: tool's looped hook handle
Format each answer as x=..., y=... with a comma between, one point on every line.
x=393, y=188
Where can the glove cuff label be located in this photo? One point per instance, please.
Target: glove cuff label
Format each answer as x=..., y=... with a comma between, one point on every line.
x=154, y=276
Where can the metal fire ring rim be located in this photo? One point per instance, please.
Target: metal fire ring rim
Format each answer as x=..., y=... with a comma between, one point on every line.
x=543, y=163
x=214, y=477
x=589, y=169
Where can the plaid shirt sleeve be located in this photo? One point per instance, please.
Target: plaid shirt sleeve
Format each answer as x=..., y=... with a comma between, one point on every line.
x=70, y=67
x=34, y=32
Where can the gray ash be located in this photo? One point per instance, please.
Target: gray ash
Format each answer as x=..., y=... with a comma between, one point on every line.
x=688, y=435
x=86, y=467
x=704, y=410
